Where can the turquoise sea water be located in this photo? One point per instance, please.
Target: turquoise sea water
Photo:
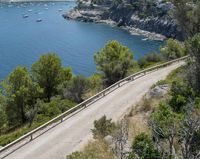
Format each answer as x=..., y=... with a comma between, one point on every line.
x=23, y=40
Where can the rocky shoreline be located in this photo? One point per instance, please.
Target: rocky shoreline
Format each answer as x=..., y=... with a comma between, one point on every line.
x=94, y=16
x=155, y=27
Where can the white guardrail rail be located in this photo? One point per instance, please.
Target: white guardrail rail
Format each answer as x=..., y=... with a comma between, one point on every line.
x=13, y=146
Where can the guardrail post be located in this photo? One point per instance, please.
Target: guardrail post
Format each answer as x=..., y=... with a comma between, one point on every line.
x=103, y=93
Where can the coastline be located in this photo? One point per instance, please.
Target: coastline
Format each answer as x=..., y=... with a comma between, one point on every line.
x=136, y=31
x=94, y=16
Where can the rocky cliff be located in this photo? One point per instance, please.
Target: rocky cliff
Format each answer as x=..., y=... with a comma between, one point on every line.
x=152, y=20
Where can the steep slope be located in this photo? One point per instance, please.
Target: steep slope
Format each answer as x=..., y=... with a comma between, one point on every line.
x=152, y=16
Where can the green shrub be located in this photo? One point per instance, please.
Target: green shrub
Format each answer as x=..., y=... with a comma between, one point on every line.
x=149, y=59
x=181, y=94
x=172, y=50
x=49, y=109
x=2, y=119
x=103, y=127
x=75, y=89
x=144, y=148
x=75, y=155
x=195, y=143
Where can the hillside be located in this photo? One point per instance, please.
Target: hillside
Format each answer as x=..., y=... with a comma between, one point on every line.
x=137, y=16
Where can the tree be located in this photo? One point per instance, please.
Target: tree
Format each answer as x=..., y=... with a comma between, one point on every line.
x=189, y=134
x=172, y=50
x=66, y=74
x=193, y=47
x=181, y=94
x=144, y=148
x=113, y=61
x=165, y=125
x=103, y=127
x=187, y=15
x=2, y=113
x=48, y=73
x=19, y=95
x=75, y=88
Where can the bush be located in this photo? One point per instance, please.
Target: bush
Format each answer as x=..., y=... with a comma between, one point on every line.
x=149, y=59
x=103, y=127
x=195, y=143
x=2, y=119
x=94, y=150
x=75, y=155
x=172, y=50
x=75, y=89
x=95, y=85
x=180, y=95
x=144, y=148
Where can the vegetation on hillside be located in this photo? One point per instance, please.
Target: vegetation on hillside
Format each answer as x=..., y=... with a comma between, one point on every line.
x=170, y=127
x=29, y=98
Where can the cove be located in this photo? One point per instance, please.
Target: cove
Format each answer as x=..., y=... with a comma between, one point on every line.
x=23, y=39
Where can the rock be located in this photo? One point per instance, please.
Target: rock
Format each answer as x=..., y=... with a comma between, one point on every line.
x=109, y=139
x=155, y=26
x=158, y=92
x=165, y=6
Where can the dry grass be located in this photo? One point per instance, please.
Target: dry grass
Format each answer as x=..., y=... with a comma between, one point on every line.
x=137, y=125
x=139, y=116
x=98, y=149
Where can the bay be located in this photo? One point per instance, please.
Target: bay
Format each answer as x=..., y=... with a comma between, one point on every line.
x=23, y=39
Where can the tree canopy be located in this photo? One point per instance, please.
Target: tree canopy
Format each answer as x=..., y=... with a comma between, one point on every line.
x=48, y=73
x=113, y=61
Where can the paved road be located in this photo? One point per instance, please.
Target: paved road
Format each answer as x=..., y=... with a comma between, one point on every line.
x=73, y=133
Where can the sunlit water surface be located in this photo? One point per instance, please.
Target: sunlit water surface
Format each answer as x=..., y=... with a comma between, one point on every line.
x=23, y=40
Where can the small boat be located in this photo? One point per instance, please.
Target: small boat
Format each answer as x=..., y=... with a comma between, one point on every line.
x=145, y=39
x=25, y=16
x=38, y=20
x=59, y=10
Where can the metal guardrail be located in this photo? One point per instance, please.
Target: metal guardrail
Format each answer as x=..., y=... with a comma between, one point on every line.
x=89, y=101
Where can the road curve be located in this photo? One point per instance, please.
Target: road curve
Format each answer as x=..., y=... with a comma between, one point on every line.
x=73, y=133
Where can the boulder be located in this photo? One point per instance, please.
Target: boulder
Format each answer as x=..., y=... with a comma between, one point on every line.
x=158, y=92
x=109, y=139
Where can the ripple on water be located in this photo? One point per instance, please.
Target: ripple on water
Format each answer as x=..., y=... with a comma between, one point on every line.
x=23, y=40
